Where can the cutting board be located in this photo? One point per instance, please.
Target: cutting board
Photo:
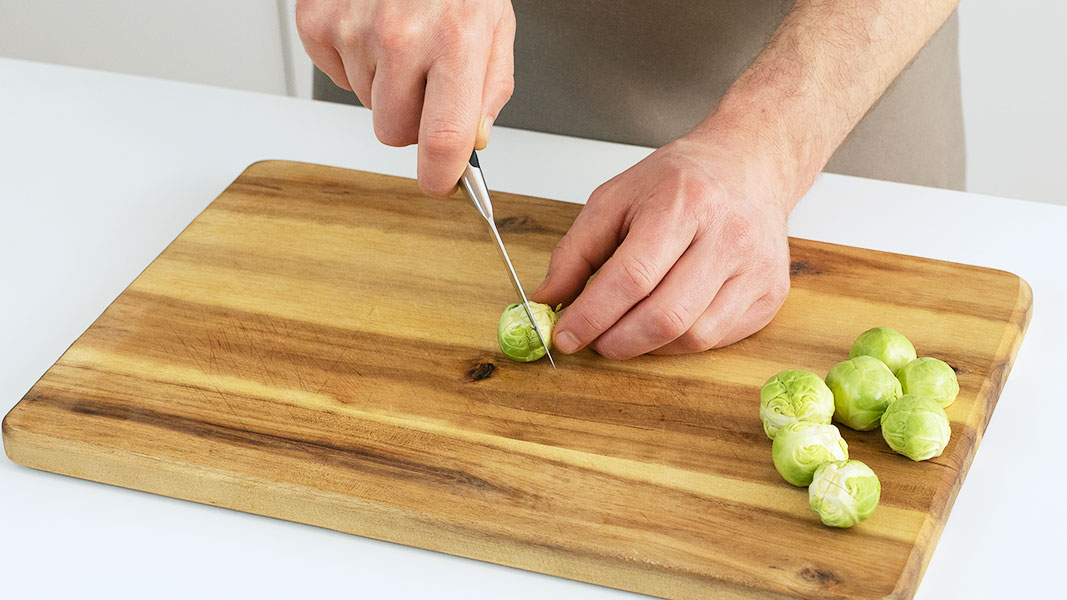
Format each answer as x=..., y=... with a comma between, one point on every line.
x=319, y=345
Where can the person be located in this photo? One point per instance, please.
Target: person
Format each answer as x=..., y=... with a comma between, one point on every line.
x=688, y=246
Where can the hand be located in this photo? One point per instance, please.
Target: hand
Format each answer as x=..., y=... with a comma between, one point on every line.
x=691, y=248
x=433, y=72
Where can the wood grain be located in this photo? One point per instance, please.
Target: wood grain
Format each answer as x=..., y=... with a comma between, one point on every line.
x=319, y=346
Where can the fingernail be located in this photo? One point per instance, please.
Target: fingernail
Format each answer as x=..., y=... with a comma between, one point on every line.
x=566, y=342
x=483, y=133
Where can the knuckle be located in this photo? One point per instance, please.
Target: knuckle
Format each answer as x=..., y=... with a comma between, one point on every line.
x=455, y=35
x=396, y=35
x=639, y=276
x=590, y=322
x=610, y=351
x=778, y=292
x=600, y=194
x=347, y=34
x=444, y=140
x=564, y=247
x=313, y=23
x=670, y=322
x=698, y=339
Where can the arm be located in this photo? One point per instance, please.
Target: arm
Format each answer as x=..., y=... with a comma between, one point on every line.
x=690, y=245
x=823, y=69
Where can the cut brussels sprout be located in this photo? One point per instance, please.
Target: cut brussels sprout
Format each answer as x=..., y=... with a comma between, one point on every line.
x=794, y=395
x=844, y=493
x=930, y=378
x=885, y=344
x=916, y=427
x=516, y=334
x=862, y=387
x=802, y=447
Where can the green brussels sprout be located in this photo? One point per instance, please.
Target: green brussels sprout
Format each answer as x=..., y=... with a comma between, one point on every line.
x=863, y=387
x=885, y=344
x=794, y=395
x=930, y=378
x=516, y=334
x=802, y=447
x=916, y=427
x=844, y=493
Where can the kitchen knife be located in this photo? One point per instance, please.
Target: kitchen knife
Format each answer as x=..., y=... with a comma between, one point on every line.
x=473, y=183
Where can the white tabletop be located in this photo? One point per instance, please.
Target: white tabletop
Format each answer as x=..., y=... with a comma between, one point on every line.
x=98, y=172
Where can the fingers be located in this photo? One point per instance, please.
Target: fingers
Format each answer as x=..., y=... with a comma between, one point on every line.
x=742, y=307
x=499, y=77
x=651, y=247
x=329, y=62
x=450, y=116
x=717, y=321
x=756, y=318
x=672, y=309
x=397, y=94
x=313, y=27
x=359, y=71
x=589, y=242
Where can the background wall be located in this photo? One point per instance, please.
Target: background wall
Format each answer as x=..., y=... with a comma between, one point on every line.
x=1013, y=57
x=230, y=43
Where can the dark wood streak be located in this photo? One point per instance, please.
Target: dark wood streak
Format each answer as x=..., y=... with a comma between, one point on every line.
x=345, y=457
x=365, y=460
x=521, y=224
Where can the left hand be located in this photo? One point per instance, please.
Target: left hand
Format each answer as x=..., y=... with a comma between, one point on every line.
x=691, y=248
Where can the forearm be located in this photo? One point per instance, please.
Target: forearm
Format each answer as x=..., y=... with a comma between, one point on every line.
x=825, y=66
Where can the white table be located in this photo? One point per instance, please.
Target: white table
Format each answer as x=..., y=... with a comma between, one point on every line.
x=98, y=172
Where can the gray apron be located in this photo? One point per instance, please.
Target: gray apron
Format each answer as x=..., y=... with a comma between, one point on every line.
x=647, y=71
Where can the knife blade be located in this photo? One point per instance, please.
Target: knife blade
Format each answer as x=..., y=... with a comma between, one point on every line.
x=473, y=183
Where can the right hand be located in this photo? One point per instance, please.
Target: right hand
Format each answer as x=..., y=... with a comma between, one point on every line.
x=433, y=72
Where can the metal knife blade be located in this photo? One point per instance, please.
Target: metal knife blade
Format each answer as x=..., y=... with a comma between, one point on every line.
x=473, y=183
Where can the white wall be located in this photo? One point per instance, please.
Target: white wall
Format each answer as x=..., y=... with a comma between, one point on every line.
x=1013, y=57
x=232, y=43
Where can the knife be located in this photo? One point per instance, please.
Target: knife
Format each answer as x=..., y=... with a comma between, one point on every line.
x=473, y=183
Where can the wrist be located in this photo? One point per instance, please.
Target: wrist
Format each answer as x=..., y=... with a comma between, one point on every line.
x=751, y=130
x=794, y=105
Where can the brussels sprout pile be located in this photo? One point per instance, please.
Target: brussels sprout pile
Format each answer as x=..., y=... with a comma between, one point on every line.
x=883, y=383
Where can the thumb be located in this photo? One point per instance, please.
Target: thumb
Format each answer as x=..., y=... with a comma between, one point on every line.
x=499, y=76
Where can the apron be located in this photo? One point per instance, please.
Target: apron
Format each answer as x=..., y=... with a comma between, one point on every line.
x=645, y=72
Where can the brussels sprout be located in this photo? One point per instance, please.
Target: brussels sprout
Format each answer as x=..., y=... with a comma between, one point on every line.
x=863, y=387
x=844, y=493
x=885, y=344
x=794, y=396
x=916, y=427
x=930, y=378
x=517, y=336
x=802, y=447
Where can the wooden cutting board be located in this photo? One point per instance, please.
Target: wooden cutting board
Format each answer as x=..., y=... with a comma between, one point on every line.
x=319, y=345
